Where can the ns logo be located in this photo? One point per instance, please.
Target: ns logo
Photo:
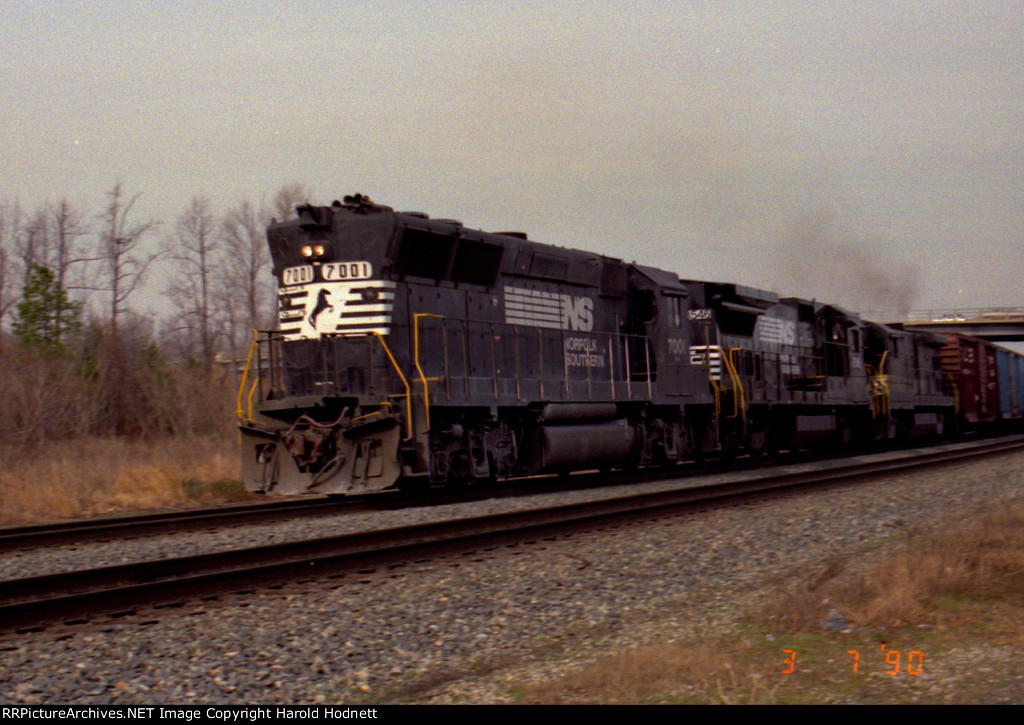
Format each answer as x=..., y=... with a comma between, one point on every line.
x=551, y=310
x=577, y=313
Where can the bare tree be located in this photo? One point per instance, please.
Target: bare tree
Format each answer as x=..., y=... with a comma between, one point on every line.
x=67, y=225
x=124, y=265
x=51, y=238
x=31, y=241
x=247, y=293
x=195, y=244
x=10, y=223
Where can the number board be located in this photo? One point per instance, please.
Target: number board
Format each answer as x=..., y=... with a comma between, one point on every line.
x=297, y=275
x=335, y=271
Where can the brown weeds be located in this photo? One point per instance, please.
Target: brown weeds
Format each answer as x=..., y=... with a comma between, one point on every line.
x=973, y=574
x=659, y=673
x=984, y=558
x=112, y=427
x=90, y=475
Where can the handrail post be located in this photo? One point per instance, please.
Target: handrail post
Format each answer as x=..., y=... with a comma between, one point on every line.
x=405, y=383
x=627, y=344
x=540, y=361
x=465, y=358
x=416, y=358
x=369, y=365
x=647, y=362
x=494, y=359
x=739, y=395
x=515, y=338
x=447, y=371
x=611, y=368
x=565, y=364
x=590, y=392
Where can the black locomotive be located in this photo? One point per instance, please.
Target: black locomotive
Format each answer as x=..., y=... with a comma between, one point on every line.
x=413, y=350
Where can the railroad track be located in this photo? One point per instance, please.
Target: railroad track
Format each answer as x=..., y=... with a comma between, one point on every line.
x=133, y=526
x=13, y=538
x=30, y=603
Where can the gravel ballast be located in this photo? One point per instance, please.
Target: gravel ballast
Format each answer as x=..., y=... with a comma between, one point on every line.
x=457, y=629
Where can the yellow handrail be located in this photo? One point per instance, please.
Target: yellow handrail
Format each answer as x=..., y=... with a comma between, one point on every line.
x=416, y=357
x=408, y=395
x=711, y=378
x=880, y=388
x=739, y=402
x=245, y=377
x=252, y=390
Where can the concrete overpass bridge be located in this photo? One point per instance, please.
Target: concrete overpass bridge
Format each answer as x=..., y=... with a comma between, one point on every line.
x=998, y=324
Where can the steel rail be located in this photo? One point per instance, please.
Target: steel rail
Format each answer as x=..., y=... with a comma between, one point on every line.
x=98, y=529
x=82, y=531
x=28, y=603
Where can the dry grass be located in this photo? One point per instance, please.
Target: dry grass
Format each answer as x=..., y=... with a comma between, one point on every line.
x=89, y=475
x=982, y=558
x=112, y=426
x=698, y=672
x=966, y=582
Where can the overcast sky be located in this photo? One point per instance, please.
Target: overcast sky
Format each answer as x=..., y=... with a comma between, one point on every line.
x=868, y=153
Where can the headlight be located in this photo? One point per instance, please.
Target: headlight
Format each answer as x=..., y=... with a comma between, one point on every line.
x=307, y=251
x=318, y=250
